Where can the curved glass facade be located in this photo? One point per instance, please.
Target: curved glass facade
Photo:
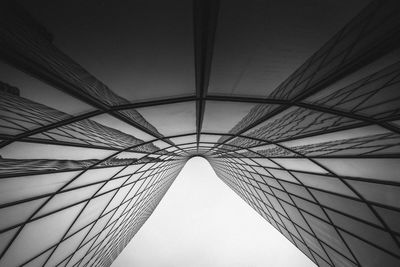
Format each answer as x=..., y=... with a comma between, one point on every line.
x=300, y=117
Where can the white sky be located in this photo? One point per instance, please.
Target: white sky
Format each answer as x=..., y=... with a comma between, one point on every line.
x=202, y=222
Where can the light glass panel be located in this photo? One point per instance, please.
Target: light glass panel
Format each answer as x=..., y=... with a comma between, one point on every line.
x=39, y=261
x=265, y=162
x=161, y=145
x=39, y=235
x=91, y=211
x=299, y=165
x=129, y=155
x=6, y=237
x=22, y=150
x=184, y=139
x=346, y=205
x=37, y=91
x=19, y=213
x=220, y=117
x=16, y=188
x=340, y=135
x=209, y=138
x=94, y=175
x=327, y=183
x=181, y=115
x=67, y=247
x=375, y=168
x=64, y=199
x=124, y=127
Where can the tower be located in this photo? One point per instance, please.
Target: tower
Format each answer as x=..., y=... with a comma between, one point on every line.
x=299, y=116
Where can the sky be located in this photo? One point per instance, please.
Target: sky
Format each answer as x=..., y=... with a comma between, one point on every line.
x=202, y=222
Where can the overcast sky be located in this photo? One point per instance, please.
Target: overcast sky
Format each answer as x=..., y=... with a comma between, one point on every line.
x=201, y=222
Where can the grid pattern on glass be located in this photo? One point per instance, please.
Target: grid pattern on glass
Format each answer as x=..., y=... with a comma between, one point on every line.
x=318, y=162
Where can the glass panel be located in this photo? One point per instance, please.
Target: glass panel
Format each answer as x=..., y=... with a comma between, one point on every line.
x=296, y=190
x=206, y=145
x=320, y=261
x=304, y=249
x=188, y=146
x=340, y=135
x=62, y=200
x=255, y=114
x=184, y=139
x=12, y=189
x=82, y=254
x=266, y=162
x=66, y=247
x=383, y=194
x=258, y=45
x=209, y=138
x=381, y=169
x=364, y=231
x=282, y=195
x=6, y=237
x=327, y=234
x=39, y=235
x=94, y=175
x=181, y=115
x=284, y=175
x=92, y=211
x=39, y=261
x=369, y=255
x=337, y=258
x=119, y=125
x=369, y=69
x=98, y=226
x=391, y=217
x=35, y=91
x=220, y=117
x=375, y=96
x=125, y=62
x=325, y=183
x=20, y=150
x=295, y=215
x=345, y=205
x=10, y=216
x=300, y=165
x=290, y=227
x=161, y=144
x=313, y=243
x=130, y=156
x=310, y=207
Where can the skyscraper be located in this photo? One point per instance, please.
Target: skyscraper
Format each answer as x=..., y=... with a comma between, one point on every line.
x=294, y=104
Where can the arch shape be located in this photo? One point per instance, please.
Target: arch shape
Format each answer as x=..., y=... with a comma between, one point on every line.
x=318, y=157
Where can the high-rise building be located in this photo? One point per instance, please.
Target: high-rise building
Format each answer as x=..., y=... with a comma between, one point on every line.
x=295, y=104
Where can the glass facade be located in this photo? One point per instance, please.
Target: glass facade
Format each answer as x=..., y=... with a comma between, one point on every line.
x=307, y=133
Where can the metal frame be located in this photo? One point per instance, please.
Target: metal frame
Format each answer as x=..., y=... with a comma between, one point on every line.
x=255, y=158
